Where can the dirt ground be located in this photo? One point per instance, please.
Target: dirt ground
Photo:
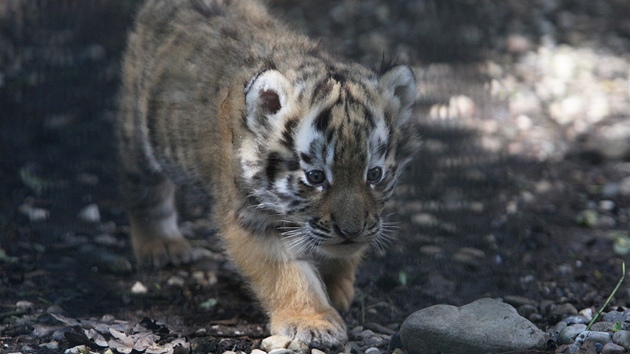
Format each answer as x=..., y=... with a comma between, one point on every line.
x=474, y=221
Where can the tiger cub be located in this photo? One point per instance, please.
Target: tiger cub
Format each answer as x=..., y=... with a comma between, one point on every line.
x=299, y=149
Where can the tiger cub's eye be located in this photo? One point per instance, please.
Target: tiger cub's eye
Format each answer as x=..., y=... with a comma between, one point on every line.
x=374, y=175
x=315, y=177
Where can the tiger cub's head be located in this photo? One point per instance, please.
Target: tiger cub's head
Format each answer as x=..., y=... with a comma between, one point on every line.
x=324, y=151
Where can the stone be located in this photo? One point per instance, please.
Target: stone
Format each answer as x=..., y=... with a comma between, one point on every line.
x=275, y=342
x=602, y=326
x=612, y=348
x=624, y=186
x=317, y=351
x=587, y=313
x=518, y=301
x=90, y=213
x=569, y=333
x=563, y=310
x=281, y=351
x=576, y=319
x=486, y=325
x=527, y=310
x=593, y=336
x=612, y=316
x=138, y=288
x=622, y=338
x=372, y=350
x=558, y=328
x=258, y=351
x=24, y=305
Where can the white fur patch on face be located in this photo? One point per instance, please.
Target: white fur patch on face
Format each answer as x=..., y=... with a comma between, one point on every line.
x=250, y=159
x=308, y=136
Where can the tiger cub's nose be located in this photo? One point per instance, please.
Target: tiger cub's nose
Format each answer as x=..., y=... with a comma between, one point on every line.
x=347, y=233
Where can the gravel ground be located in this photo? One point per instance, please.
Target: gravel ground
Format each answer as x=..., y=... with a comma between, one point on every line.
x=521, y=190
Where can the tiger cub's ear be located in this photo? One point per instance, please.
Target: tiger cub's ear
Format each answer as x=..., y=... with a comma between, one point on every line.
x=266, y=96
x=399, y=83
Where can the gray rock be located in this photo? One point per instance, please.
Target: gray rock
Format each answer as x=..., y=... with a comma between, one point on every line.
x=622, y=338
x=483, y=326
x=602, y=326
x=612, y=348
x=569, y=333
x=527, y=310
x=372, y=350
x=576, y=319
x=593, y=336
x=518, y=301
x=596, y=339
x=563, y=310
x=557, y=329
x=613, y=316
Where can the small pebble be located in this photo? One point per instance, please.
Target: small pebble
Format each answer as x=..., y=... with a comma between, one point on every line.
x=546, y=306
x=106, y=240
x=518, y=301
x=108, y=319
x=317, y=351
x=557, y=329
x=587, y=313
x=575, y=319
x=90, y=213
x=258, y=351
x=34, y=214
x=372, y=350
x=24, y=305
x=527, y=310
x=53, y=345
x=622, y=338
x=281, y=351
x=275, y=342
x=54, y=309
x=139, y=288
x=176, y=281
x=569, y=333
x=563, y=310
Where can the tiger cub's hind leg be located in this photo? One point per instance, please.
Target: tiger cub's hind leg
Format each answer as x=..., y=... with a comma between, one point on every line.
x=155, y=237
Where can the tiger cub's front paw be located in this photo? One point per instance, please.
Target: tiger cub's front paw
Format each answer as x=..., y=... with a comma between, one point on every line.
x=325, y=329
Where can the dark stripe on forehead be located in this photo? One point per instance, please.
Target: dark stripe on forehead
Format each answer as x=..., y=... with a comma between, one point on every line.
x=287, y=134
x=306, y=158
x=321, y=90
x=353, y=104
x=322, y=121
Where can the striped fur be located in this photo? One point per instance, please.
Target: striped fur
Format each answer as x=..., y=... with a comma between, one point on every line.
x=300, y=150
